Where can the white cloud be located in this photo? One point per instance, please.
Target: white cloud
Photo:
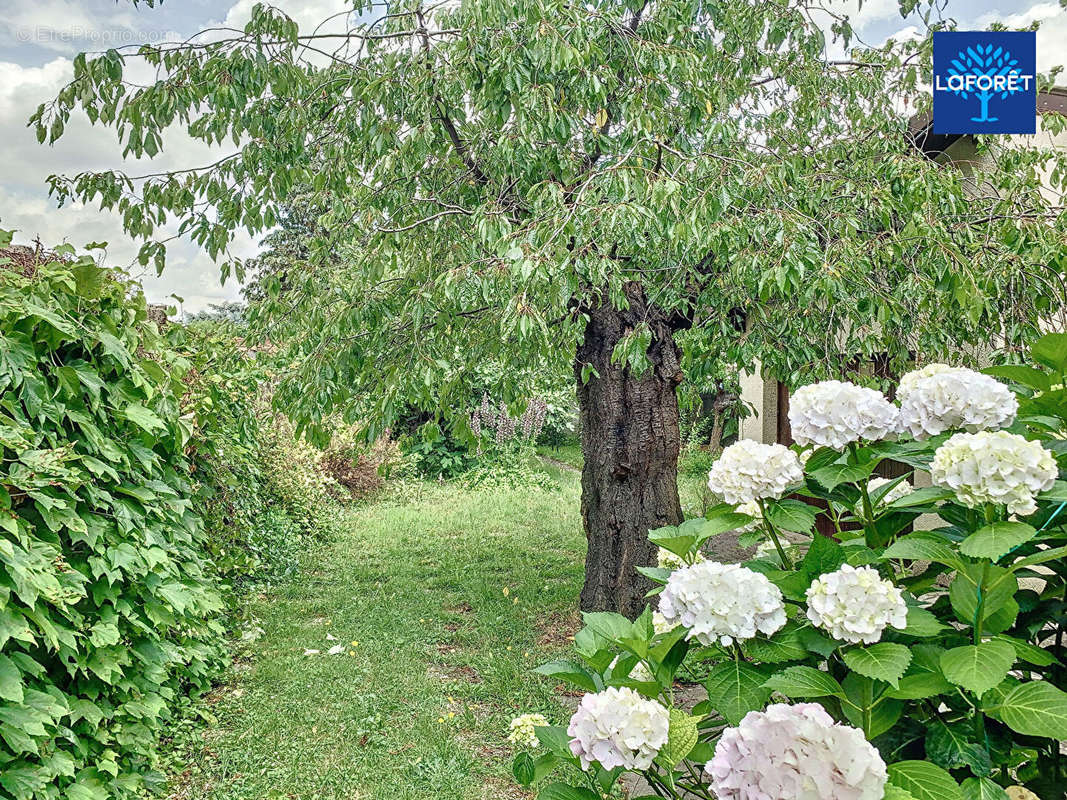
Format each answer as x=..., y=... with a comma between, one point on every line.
x=26, y=207
x=1051, y=36
x=63, y=26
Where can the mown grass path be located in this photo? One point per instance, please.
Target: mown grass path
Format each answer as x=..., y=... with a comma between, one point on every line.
x=444, y=601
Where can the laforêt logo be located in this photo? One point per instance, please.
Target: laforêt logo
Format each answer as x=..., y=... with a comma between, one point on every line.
x=984, y=82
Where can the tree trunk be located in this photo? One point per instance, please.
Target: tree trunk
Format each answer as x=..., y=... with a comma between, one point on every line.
x=630, y=441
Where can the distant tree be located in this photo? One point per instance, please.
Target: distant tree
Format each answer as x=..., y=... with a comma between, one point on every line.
x=228, y=311
x=639, y=189
x=286, y=250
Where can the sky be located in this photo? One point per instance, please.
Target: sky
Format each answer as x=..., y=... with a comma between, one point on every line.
x=39, y=39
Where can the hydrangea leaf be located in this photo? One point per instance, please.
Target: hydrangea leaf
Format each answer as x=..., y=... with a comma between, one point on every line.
x=952, y=747
x=997, y=539
x=791, y=515
x=805, y=682
x=681, y=738
x=884, y=661
x=983, y=789
x=978, y=668
x=735, y=688
x=564, y=791
x=924, y=546
x=925, y=781
x=922, y=623
x=1036, y=708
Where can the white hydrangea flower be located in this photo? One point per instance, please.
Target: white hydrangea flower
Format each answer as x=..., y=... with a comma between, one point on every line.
x=618, y=728
x=521, y=731
x=902, y=489
x=795, y=752
x=994, y=467
x=639, y=672
x=954, y=397
x=855, y=604
x=909, y=380
x=668, y=560
x=660, y=624
x=834, y=414
x=753, y=510
x=749, y=470
x=722, y=603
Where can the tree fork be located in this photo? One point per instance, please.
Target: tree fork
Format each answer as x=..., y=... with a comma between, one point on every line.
x=630, y=445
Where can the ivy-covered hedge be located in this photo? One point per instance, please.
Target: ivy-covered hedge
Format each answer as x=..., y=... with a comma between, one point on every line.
x=108, y=611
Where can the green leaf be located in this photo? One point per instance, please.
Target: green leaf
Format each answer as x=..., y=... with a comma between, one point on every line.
x=997, y=539
x=978, y=668
x=523, y=769
x=805, y=682
x=867, y=707
x=556, y=740
x=613, y=627
x=824, y=555
x=951, y=746
x=924, y=546
x=1030, y=653
x=925, y=781
x=564, y=791
x=922, y=623
x=1036, y=708
x=1051, y=350
x=1042, y=557
x=785, y=645
x=142, y=417
x=836, y=474
x=896, y=793
x=735, y=688
x=10, y=680
x=681, y=739
x=570, y=672
x=884, y=661
x=1000, y=586
x=1023, y=375
x=919, y=686
x=791, y=515
x=927, y=495
x=983, y=789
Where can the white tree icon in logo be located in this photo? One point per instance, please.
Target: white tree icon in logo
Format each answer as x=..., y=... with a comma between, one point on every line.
x=984, y=72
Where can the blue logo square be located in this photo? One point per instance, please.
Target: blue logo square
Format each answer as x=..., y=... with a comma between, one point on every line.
x=984, y=82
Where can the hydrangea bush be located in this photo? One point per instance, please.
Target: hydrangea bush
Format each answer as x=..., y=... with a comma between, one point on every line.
x=917, y=653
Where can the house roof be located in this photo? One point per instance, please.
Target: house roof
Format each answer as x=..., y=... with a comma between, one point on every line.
x=921, y=129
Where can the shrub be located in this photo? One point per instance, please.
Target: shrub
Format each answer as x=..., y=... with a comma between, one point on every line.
x=930, y=663
x=108, y=615
x=356, y=467
x=259, y=491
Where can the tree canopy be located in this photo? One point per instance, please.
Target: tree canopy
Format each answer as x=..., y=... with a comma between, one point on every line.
x=486, y=170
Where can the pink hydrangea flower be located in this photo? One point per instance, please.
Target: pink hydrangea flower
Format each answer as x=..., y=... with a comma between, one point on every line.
x=795, y=752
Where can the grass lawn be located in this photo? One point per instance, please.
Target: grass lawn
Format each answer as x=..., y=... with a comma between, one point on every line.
x=568, y=452
x=444, y=600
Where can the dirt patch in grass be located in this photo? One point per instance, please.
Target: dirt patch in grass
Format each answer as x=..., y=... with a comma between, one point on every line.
x=557, y=629
x=454, y=673
x=502, y=789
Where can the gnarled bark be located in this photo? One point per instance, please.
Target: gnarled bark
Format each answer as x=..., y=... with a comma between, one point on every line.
x=630, y=442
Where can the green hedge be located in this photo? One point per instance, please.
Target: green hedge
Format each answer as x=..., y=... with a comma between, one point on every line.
x=108, y=611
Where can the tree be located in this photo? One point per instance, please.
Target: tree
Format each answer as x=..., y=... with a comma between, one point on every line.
x=641, y=189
